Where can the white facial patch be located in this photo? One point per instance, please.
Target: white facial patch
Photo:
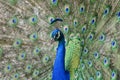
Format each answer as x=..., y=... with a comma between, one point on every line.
x=58, y=34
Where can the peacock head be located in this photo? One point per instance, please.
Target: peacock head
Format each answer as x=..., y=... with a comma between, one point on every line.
x=56, y=35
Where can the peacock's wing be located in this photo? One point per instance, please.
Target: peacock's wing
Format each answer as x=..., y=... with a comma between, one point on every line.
x=72, y=56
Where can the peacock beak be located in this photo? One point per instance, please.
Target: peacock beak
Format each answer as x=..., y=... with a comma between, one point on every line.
x=52, y=40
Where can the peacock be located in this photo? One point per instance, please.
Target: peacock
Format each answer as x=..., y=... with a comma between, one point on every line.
x=86, y=35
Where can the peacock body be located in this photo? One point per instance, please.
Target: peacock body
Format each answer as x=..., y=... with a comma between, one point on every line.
x=89, y=51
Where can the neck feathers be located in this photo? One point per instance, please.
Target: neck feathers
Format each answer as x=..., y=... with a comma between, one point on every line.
x=60, y=56
x=59, y=72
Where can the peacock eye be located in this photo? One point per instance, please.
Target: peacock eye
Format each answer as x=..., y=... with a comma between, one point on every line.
x=114, y=44
x=93, y=21
x=106, y=62
x=66, y=28
x=51, y=18
x=99, y=75
x=85, y=51
x=102, y=37
x=13, y=22
x=28, y=68
x=67, y=9
x=35, y=73
x=34, y=36
x=83, y=29
x=17, y=43
x=46, y=59
x=56, y=35
x=91, y=36
x=75, y=22
x=96, y=55
x=8, y=68
x=106, y=11
x=16, y=75
x=82, y=8
x=22, y=55
x=36, y=51
x=90, y=63
x=33, y=20
x=113, y=75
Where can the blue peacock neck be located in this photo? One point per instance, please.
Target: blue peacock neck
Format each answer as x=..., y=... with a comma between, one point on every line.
x=60, y=56
x=59, y=64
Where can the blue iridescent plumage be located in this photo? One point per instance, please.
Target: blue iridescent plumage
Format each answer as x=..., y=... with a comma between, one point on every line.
x=59, y=72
